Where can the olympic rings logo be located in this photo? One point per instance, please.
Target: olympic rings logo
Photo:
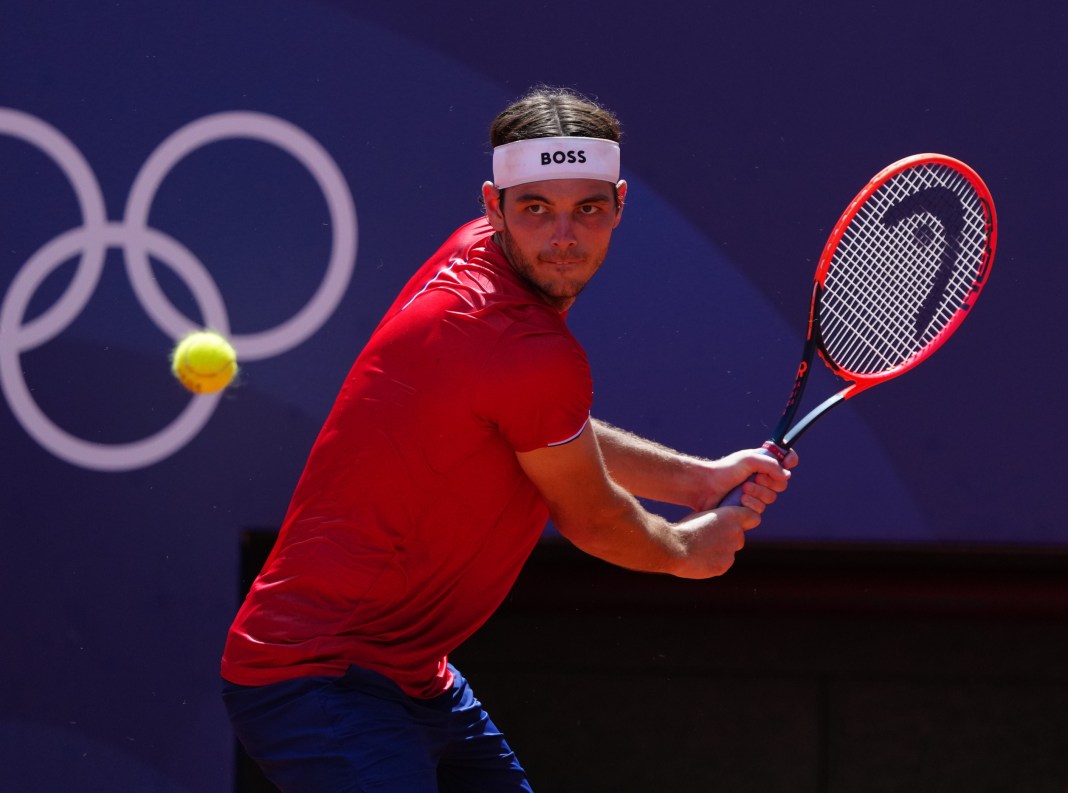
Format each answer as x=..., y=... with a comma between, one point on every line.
x=138, y=241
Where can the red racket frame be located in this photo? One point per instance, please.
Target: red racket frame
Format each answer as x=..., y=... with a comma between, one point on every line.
x=786, y=433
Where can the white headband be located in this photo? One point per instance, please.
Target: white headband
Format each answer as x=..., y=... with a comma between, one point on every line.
x=538, y=159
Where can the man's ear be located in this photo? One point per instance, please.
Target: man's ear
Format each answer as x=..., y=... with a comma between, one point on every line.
x=621, y=191
x=491, y=198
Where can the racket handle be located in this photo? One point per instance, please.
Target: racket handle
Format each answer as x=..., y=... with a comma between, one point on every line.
x=771, y=449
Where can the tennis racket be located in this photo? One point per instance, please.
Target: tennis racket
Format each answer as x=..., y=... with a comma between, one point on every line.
x=899, y=273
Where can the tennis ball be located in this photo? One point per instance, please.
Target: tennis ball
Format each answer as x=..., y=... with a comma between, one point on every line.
x=204, y=362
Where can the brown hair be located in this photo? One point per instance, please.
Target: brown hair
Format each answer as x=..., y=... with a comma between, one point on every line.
x=545, y=112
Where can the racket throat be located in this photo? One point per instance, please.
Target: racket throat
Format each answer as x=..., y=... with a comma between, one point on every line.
x=791, y=437
x=794, y=402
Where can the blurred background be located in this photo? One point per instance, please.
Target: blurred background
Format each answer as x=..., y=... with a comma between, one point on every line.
x=276, y=169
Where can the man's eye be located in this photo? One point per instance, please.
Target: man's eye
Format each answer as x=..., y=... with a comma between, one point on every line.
x=536, y=209
x=589, y=209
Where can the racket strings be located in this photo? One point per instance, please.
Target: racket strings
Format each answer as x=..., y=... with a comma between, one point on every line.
x=902, y=269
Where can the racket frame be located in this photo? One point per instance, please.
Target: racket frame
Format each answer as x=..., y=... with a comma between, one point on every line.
x=786, y=432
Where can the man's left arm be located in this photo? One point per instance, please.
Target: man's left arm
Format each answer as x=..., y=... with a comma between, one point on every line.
x=650, y=470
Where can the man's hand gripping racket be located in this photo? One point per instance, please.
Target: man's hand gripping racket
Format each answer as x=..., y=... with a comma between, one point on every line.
x=898, y=275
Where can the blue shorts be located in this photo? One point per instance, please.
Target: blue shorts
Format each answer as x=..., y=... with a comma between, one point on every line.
x=360, y=733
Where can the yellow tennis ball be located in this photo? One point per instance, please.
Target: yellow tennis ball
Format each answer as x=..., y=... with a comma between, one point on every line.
x=204, y=362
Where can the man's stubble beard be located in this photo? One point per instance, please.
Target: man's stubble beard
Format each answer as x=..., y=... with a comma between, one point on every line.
x=560, y=292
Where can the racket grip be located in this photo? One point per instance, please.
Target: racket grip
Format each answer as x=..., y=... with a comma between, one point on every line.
x=771, y=449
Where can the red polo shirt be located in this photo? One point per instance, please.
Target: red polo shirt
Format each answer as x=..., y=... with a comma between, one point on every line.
x=413, y=518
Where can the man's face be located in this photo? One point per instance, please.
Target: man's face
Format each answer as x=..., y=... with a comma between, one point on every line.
x=556, y=233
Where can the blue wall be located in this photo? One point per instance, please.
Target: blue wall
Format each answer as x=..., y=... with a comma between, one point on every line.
x=284, y=165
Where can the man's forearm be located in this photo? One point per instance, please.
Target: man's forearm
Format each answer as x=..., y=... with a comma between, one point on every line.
x=645, y=468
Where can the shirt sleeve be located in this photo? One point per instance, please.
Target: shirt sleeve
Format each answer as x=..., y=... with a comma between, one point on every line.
x=536, y=389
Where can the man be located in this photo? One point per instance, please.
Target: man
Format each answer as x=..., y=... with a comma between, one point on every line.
x=462, y=426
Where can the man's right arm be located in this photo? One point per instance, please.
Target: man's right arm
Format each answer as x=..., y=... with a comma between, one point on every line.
x=601, y=518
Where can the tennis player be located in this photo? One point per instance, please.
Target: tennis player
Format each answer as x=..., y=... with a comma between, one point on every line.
x=463, y=425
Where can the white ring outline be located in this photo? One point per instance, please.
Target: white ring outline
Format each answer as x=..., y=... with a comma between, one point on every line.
x=91, y=454
x=301, y=146
x=91, y=201
x=137, y=240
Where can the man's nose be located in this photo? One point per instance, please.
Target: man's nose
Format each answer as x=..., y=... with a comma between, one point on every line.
x=564, y=232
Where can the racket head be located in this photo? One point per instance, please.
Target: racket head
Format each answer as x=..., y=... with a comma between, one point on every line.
x=902, y=268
